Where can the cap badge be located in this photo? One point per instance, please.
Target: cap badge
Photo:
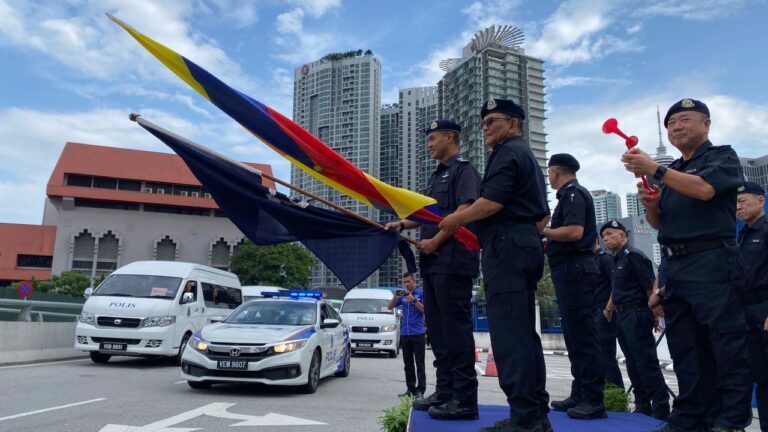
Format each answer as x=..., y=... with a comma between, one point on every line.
x=687, y=103
x=741, y=189
x=491, y=104
x=433, y=125
x=615, y=224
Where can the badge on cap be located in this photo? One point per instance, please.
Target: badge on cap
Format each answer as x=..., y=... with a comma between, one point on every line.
x=491, y=104
x=433, y=125
x=615, y=224
x=687, y=103
x=741, y=189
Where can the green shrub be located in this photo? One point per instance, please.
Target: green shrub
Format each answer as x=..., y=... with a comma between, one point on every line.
x=615, y=398
x=395, y=419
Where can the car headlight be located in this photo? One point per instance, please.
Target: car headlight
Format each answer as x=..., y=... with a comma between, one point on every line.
x=87, y=318
x=158, y=321
x=288, y=346
x=388, y=328
x=198, y=344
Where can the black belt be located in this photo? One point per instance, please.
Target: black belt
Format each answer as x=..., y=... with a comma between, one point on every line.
x=682, y=249
x=560, y=259
x=621, y=307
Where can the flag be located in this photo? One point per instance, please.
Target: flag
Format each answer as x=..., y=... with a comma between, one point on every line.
x=297, y=145
x=350, y=248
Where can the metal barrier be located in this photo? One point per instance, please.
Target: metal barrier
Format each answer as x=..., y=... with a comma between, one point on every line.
x=479, y=317
x=24, y=308
x=551, y=323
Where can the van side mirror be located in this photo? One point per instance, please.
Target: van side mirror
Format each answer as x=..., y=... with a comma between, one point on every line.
x=329, y=323
x=88, y=292
x=187, y=297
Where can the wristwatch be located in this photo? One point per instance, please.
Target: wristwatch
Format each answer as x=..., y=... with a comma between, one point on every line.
x=660, y=171
x=402, y=226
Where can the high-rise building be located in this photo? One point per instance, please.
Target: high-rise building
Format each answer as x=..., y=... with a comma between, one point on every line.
x=418, y=108
x=756, y=170
x=391, y=172
x=634, y=206
x=493, y=65
x=641, y=235
x=338, y=99
x=607, y=206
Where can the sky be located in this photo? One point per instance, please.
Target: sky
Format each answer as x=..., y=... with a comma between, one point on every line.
x=69, y=74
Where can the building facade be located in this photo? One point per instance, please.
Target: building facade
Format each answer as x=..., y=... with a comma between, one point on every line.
x=756, y=170
x=338, y=99
x=391, y=172
x=634, y=206
x=641, y=235
x=607, y=206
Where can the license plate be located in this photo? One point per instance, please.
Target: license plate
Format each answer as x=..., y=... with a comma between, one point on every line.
x=232, y=364
x=113, y=346
x=365, y=344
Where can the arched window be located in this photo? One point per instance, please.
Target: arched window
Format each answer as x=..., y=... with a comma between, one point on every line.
x=236, y=247
x=166, y=250
x=107, y=257
x=82, y=252
x=220, y=255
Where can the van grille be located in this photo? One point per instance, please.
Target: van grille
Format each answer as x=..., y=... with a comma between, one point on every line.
x=115, y=340
x=365, y=329
x=105, y=321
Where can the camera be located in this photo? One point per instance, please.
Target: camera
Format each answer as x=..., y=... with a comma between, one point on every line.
x=400, y=292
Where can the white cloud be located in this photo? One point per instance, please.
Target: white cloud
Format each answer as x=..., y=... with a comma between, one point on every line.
x=581, y=81
x=698, y=10
x=299, y=44
x=634, y=29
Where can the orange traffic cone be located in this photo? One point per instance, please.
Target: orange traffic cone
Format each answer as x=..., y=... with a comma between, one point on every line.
x=490, y=367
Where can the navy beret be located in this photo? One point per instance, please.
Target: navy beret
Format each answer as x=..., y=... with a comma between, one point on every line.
x=686, y=104
x=443, y=125
x=564, y=160
x=612, y=224
x=750, y=188
x=505, y=106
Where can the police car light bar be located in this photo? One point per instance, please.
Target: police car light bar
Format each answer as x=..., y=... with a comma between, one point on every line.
x=295, y=294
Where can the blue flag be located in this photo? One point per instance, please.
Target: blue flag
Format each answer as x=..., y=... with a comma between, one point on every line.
x=350, y=248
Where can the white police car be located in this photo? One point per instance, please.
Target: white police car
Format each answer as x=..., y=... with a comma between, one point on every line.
x=290, y=338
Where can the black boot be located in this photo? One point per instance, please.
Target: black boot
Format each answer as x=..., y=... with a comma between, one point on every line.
x=454, y=410
x=660, y=411
x=564, y=405
x=642, y=408
x=431, y=400
x=587, y=411
x=508, y=426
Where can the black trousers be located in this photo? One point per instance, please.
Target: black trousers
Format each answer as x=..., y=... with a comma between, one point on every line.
x=637, y=341
x=447, y=311
x=606, y=340
x=757, y=351
x=413, y=347
x=706, y=334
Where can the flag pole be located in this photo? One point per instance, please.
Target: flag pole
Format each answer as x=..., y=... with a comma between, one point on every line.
x=141, y=121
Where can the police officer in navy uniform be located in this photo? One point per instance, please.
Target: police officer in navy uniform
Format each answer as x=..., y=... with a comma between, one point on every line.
x=509, y=215
x=753, y=244
x=448, y=267
x=605, y=329
x=571, y=238
x=695, y=213
x=632, y=284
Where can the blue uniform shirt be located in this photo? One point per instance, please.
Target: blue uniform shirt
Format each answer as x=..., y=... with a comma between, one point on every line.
x=632, y=276
x=753, y=244
x=604, y=262
x=574, y=207
x=686, y=219
x=413, y=318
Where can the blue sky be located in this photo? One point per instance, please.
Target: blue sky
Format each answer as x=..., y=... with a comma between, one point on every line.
x=70, y=74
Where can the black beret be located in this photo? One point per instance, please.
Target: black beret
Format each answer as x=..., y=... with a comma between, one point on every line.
x=612, y=224
x=750, y=188
x=443, y=125
x=505, y=106
x=686, y=104
x=564, y=160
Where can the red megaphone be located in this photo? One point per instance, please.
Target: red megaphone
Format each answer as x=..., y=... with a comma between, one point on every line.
x=612, y=126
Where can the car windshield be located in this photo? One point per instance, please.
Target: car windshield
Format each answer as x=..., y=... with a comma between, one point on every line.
x=369, y=306
x=292, y=313
x=125, y=285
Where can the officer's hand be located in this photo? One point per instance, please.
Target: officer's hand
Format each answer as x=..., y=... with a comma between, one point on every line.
x=451, y=223
x=409, y=298
x=393, y=226
x=657, y=324
x=648, y=199
x=542, y=223
x=658, y=311
x=639, y=162
x=608, y=314
x=655, y=299
x=766, y=325
x=427, y=247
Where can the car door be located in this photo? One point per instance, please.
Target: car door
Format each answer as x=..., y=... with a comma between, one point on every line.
x=329, y=340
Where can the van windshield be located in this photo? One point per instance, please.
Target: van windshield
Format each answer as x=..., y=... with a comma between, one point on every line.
x=289, y=313
x=125, y=285
x=368, y=306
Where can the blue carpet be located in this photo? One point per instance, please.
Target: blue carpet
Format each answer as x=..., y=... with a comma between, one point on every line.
x=489, y=414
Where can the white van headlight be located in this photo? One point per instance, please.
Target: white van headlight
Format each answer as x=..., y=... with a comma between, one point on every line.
x=288, y=346
x=388, y=328
x=158, y=321
x=87, y=318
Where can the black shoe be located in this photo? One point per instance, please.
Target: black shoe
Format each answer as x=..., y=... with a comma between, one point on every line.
x=669, y=428
x=435, y=398
x=454, y=410
x=564, y=405
x=642, y=408
x=545, y=425
x=508, y=426
x=587, y=411
x=660, y=411
x=407, y=393
x=417, y=395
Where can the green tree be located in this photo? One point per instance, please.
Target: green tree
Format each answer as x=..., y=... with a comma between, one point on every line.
x=545, y=294
x=286, y=265
x=69, y=283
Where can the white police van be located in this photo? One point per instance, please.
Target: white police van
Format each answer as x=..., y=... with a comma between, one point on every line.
x=375, y=328
x=142, y=309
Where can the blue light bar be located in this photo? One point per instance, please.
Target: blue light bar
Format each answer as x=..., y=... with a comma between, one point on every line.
x=295, y=294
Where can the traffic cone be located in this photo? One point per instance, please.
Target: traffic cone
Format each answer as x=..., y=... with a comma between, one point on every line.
x=490, y=367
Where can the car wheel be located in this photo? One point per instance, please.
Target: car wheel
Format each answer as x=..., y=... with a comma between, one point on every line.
x=394, y=354
x=199, y=385
x=345, y=372
x=98, y=357
x=313, y=375
x=177, y=359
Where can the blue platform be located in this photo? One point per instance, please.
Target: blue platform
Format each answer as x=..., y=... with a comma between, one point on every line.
x=489, y=414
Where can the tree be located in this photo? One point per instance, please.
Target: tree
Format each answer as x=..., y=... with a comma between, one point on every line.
x=285, y=265
x=70, y=283
x=545, y=294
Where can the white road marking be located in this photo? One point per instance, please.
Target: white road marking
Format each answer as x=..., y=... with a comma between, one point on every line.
x=479, y=371
x=51, y=409
x=180, y=382
x=42, y=364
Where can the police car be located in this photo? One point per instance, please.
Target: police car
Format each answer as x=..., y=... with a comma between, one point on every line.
x=291, y=338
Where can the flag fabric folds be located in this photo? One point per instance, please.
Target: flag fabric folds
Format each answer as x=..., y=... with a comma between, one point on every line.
x=297, y=145
x=350, y=248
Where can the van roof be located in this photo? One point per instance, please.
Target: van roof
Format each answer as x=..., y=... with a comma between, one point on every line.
x=169, y=268
x=369, y=293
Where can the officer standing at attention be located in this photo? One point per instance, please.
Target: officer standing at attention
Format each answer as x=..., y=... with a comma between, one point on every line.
x=571, y=239
x=632, y=284
x=753, y=244
x=509, y=215
x=695, y=213
x=605, y=329
x=448, y=267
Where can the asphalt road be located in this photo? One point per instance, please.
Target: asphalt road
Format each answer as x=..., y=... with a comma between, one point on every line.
x=130, y=394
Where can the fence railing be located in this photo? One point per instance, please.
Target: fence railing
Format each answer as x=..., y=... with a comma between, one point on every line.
x=25, y=310
x=549, y=315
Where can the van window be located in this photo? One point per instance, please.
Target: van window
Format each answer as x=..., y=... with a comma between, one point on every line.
x=128, y=285
x=369, y=306
x=220, y=296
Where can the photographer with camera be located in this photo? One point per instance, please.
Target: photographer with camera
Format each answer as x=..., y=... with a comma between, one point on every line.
x=412, y=335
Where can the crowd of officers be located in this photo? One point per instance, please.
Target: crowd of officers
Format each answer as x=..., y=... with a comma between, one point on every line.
x=712, y=287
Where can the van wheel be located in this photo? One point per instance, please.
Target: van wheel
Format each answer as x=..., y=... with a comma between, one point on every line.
x=98, y=357
x=177, y=359
x=394, y=354
x=199, y=385
x=347, y=363
x=313, y=376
